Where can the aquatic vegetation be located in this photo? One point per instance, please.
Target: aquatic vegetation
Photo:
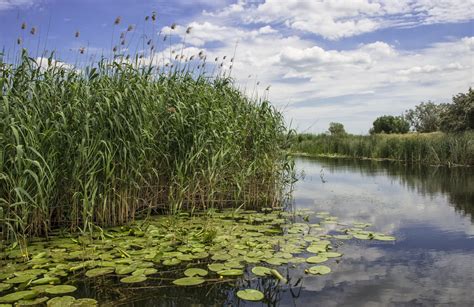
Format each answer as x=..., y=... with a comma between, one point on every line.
x=250, y=295
x=425, y=148
x=177, y=251
x=119, y=140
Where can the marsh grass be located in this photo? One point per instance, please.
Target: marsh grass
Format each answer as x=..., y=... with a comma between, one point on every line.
x=104, y=143
x=426, y=148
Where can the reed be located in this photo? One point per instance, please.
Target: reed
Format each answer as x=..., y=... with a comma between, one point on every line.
x=427, y=148
x=101, y=145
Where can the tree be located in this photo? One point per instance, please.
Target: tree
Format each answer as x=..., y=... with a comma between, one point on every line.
x=459, y=115
x=337, y=129
x=426, y=117
x=390, y=124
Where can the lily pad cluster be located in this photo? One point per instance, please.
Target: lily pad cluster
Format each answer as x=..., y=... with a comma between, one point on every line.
x=201, y=248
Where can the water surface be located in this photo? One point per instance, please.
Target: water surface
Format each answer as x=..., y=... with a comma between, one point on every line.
x=430, y=211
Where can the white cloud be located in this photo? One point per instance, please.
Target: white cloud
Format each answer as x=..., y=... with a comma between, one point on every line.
x=10, y=4
x=336, y=19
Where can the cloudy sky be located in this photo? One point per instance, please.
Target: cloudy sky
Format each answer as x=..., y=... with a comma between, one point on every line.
x=347, y=61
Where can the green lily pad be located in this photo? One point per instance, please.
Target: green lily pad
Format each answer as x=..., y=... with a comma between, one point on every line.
x=188, y=281
x=46, y=280
x=172, y=261
x=20, y=295
x=146, y=271
x=133, y=279
x=384, y=238
x=261, y=271
x=20, y=279
x=318, y=270
x=61, y=301
x=61, y=289
x=100, y=271
x=216, y=267
x=231, y=272
x=195, y=272
x=316, y=259
x=250, y=295
x=330, y=254
x=33, y=302
x=125, y=269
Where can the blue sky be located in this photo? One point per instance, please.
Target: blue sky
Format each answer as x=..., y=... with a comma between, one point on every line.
x=344, y=61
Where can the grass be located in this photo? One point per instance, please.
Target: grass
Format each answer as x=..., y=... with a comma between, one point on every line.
x=426, y=148
x=101, y=145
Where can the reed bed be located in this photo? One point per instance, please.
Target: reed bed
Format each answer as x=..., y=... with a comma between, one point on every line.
x=98, y=146
x=426, y=148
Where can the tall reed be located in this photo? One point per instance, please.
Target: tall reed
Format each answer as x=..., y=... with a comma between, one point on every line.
x=103, y=144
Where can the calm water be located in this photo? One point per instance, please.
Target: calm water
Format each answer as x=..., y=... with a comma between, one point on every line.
x=429, y=210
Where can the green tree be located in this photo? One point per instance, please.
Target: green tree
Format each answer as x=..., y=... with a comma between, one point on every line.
x=425, y=117
x=337, y=129
x=459, y=115
x=390, y=124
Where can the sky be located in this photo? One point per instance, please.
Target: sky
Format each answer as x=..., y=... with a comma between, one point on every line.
x=346, y=61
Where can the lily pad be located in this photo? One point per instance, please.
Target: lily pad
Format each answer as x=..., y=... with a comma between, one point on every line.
x=147, y=271
x=216, y=267
x=250, y=295
x=330, y=254
x=261, y=271
x=172, y=261
x=62, y=289
x=45, y=280
x=195, y=272
x=61, y=301
x=318, y=270
x=100, y=271
x=133, y=279
x=384, y=238
x=33, y=302
x=188, y=281
x=20, y=295
x=231, y=272
x=316, y=259
x=19, y=279
x=124, y=269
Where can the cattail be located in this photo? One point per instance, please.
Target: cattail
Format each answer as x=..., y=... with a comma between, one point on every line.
x=130, y=28
x=167, y=64
x=122, y=35
x=268, y=88
x=114, y=49
x=201, y=53
x=147, y=17
x=230, y=67
x=182, y=56
x=76, y=35
x=222, y=64
x=149, y=42
x=127, y=57
x=258, y=83
x=191, y=58
x=173, y=26
x=199, y=66
x=153, y=16
x=152, y=47
x=141, y=56
x=232, y=60
x=176, y=57
x=122, y=43
x=117, y=20
x=224, y=57
x=33, y=31
x=23, y=26
x=216, y=59
x=188, y=30
x=165, y=37
x=250, y=76
x=18, y=41
x=82, y=50
x=173, y=51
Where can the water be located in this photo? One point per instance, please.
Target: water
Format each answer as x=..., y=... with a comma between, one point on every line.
x=429, y=210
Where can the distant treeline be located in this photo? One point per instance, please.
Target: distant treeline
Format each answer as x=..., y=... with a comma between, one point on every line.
x=429, y=148
x=443, y=134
